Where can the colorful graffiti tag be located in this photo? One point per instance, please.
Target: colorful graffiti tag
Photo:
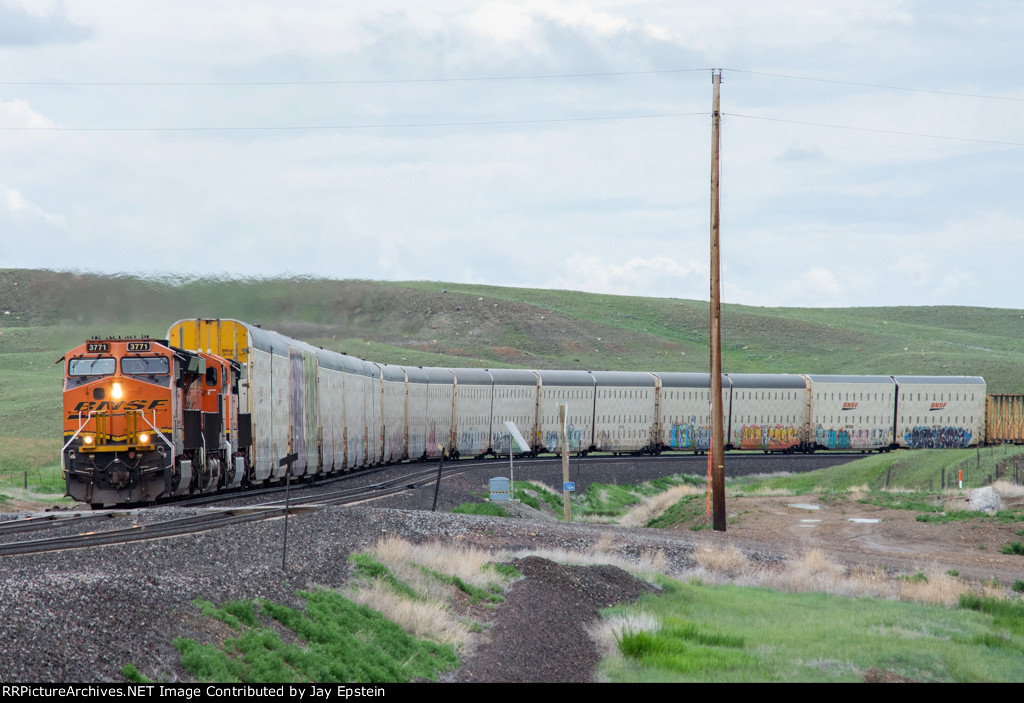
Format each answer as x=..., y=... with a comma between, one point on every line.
x=690, y=436
x=858, y=439
x=769, y=438
x=937, y=438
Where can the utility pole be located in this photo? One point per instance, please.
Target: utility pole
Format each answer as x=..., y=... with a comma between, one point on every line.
x=717, y=431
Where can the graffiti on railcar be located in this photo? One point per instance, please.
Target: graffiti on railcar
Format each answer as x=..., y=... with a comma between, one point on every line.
x=472, y=442
x=765, y=437
x=937, y=438
x=573, y=434
x=263, y=461
x=500, y=442
x=297, y=407
x=832, y=438
x=852, y=439
x=690, y=436
x=432, y=448
x=416, y=445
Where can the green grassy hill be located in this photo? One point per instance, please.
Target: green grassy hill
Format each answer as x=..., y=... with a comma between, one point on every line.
x=44, y=313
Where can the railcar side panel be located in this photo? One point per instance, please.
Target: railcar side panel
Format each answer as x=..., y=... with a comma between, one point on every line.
x=374, y=420
x=684, y=410
x=473, y=392
x=1004, y=418
x=625, y=410
x=768, y=412
x=417, y=388
x=940, y=412
x=575, y=390
x=514, y=399
x=280, y=407
x=852, y=412
x=332, y=414
x=392, y=403
x=440, y=403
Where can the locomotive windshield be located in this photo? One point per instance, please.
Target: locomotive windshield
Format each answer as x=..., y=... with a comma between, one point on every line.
x=144, y=365
x=97, y=366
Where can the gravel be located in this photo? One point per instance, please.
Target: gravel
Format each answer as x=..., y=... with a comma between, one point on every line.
x=80, y=615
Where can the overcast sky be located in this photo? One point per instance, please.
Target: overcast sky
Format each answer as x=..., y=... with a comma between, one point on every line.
x=872, y=151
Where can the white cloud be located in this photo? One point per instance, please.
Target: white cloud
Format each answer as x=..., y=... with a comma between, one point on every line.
x=18, y=114
x=655, y=276
x=21, y=208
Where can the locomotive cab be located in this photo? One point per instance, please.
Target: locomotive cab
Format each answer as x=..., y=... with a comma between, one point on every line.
x=118, y=406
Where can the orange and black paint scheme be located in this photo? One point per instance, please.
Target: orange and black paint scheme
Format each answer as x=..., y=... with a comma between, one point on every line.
x=145, y=421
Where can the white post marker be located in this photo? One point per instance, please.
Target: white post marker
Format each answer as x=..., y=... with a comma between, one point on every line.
x=514, y=436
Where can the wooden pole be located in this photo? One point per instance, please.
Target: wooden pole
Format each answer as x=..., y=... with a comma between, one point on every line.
x=717, y=430
x=565, y=462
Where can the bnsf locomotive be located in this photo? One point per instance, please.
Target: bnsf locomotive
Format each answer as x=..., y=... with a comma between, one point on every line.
x=219, y=403
x=143, y=421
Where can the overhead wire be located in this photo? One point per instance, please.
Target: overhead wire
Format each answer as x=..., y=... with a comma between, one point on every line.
x=982, y=96
x=384, y=81
x=876, y=130
x=480, y=123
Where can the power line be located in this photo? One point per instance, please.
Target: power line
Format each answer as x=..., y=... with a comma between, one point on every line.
x=472, y=79
x=872, y=129
x=879, y=85
x=483, y=123
x=350, y=82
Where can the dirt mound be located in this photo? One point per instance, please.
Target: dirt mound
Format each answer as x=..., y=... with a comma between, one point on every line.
x=542, y=632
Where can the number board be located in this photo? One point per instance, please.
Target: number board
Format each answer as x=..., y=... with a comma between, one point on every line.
x=138, y=346
x=96, y=347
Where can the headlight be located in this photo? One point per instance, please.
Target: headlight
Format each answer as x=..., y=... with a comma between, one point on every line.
x=88, y=439
x=143, y=438
x=116, y=391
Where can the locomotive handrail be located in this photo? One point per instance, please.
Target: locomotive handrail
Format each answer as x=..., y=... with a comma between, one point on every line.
x=81, y=426
x=159, y=433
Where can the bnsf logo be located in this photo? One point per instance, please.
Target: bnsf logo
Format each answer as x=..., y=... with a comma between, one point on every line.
x=938, y=406
x=85, y=407
x=849, y=406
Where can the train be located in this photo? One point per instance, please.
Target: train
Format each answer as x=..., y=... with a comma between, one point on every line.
x=222, y=403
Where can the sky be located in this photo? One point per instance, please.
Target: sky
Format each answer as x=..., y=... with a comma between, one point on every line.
x=872, y=152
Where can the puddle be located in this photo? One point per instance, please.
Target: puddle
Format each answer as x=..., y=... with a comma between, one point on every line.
x=805, y=506
x=864, y=519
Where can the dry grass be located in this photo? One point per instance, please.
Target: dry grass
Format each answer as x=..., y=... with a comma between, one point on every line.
x=1008, y=490
x=429, y=619
x=723, y=561
x=643, y=566
x=940, y=588
x=652, y=507
x=403, y=557
x=430, y=614
x=813, y=571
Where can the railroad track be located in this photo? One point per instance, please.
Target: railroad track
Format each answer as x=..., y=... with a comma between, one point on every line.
x=207, y=520
x=214, y=518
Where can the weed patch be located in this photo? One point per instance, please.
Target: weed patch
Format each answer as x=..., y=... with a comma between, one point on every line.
x=492, y=509
x=337, y=641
